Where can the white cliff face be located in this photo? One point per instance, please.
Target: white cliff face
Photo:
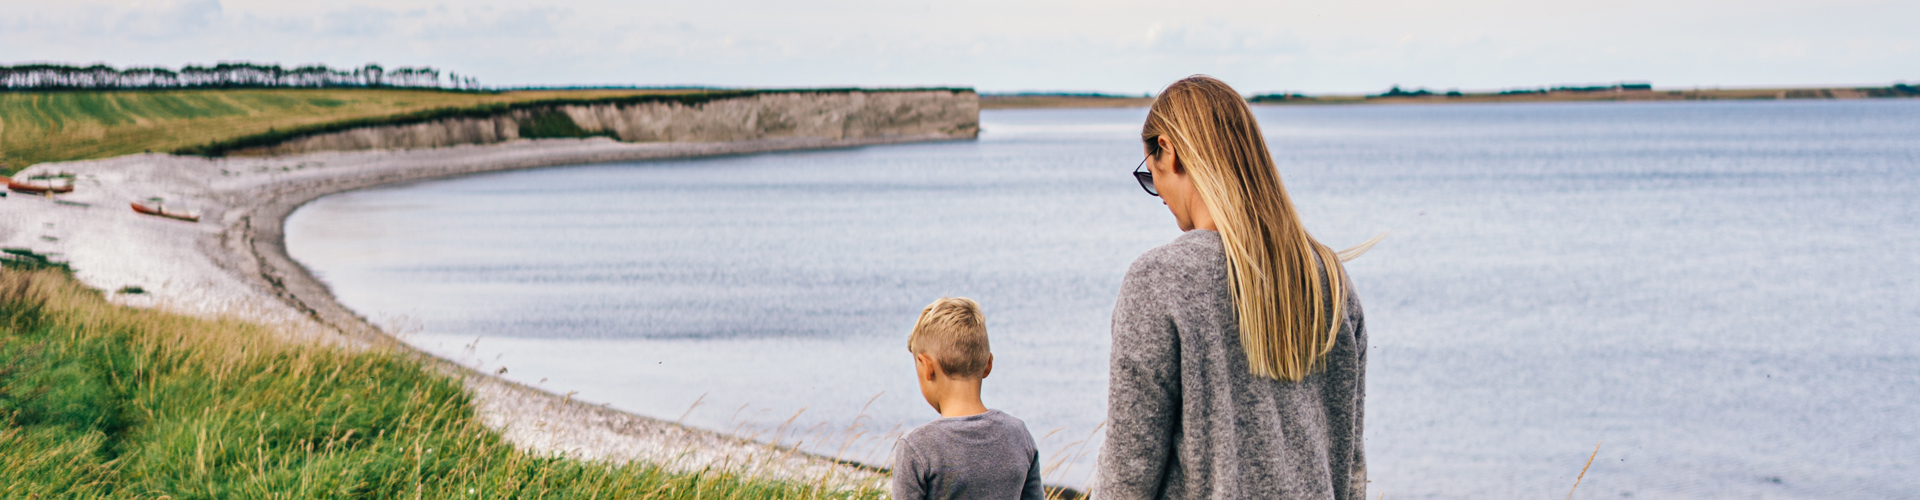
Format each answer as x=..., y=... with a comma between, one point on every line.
x=448, y=132
x=834, y=115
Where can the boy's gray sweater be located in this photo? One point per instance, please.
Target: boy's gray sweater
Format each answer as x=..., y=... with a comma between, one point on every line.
x=989, y=456
x=1185, y=418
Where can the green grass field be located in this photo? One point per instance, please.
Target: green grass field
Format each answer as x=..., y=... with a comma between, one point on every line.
x=39, y=127
x=102, y=401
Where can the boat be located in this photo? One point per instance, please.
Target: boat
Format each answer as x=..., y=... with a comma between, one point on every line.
x=153, y=207
x=55, y=186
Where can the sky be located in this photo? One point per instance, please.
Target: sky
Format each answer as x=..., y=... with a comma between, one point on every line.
x=1119, y=46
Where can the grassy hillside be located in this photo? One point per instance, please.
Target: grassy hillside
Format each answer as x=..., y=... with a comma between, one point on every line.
x=101, y=401
x=75, y=125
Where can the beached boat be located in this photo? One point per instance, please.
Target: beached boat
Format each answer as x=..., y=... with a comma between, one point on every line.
x=153, y=207
x=37, y=186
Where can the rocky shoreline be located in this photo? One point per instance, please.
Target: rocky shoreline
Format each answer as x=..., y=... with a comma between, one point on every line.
x=233, y=262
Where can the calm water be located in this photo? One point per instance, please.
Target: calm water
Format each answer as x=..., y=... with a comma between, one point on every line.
x=1724, y=295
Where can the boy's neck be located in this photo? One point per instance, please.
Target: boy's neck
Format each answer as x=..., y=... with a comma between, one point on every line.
x=960, y=398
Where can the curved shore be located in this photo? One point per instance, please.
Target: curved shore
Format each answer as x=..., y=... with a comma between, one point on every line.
x=233, y=261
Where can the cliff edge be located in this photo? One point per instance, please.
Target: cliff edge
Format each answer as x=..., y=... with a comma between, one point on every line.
x=731, y=116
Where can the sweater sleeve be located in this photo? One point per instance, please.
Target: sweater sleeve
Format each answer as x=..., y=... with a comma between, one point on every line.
x=1143, y=390
x=1358, y=475
x=1034, y=489
x=907, y=483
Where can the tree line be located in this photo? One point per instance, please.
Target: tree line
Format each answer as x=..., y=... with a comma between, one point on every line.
x=48, y=76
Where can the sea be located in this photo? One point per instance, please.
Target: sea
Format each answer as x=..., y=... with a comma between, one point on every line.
x=1651, y=300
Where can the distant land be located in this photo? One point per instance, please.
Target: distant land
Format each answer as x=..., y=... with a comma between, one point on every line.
x=1031, y=100
x=1627, y=91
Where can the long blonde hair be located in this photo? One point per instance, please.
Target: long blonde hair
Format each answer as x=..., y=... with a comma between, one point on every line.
x=1280, y=277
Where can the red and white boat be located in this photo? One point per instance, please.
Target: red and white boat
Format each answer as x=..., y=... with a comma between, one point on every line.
x=153, y=207
x=38, y=186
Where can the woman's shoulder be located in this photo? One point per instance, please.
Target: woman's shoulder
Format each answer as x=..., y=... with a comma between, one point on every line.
x=1187, y=256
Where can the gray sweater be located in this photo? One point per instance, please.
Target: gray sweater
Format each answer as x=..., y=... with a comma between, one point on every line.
x=989, y=456
x=1185, y=418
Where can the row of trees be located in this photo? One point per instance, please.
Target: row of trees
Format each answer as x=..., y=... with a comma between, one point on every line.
x=223, y=75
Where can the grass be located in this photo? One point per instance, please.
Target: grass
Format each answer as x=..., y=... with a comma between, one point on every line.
x=553, y=124
x=48, y=126
x=98, y=400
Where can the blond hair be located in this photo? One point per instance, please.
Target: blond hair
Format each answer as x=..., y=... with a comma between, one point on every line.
x=1281, y=279
x=954, y=332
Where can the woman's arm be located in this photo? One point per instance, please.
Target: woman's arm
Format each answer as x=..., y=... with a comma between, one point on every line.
x=1143, y=391
x=1357, y=477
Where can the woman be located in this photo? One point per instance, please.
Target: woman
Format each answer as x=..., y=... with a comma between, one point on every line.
x=1238, y=349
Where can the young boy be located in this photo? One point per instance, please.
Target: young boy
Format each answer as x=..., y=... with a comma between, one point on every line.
x=971, y=452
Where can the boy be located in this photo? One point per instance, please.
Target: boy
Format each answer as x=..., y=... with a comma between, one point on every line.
x=971, y=452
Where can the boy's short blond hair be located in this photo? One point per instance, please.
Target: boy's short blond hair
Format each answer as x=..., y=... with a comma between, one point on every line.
x=954, y=332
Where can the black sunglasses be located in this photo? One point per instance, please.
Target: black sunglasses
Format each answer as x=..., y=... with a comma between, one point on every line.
x=1145, y=177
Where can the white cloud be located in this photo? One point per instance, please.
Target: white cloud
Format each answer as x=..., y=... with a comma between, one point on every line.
x=165, y=20
x=488, y=23
x=357, y=22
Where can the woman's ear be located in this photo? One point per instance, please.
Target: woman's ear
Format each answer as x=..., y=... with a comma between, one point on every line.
x=1166, y=148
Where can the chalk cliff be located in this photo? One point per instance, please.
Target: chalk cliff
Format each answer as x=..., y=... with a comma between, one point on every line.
x=820, y=114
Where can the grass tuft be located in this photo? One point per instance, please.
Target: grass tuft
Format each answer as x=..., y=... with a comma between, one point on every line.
x=552, y=124
x=26, y=260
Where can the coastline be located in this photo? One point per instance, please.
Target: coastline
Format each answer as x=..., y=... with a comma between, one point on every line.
x=233, y=262
x=1423, y=96
x=1615, y=94
x=1048, y=101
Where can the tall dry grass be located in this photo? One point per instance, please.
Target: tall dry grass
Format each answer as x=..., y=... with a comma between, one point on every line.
x=99, y=400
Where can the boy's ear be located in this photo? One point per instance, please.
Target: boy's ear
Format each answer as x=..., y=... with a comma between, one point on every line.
x=989, y=369
x=925, y=366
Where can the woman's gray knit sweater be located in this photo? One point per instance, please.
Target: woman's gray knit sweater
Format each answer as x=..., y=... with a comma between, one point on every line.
x=1185, y=418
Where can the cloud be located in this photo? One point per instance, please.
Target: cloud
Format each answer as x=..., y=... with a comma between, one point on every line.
x=1221, y=38
x=357, y=21
x=165, y=20
x=475, y=23
x=1119, y=45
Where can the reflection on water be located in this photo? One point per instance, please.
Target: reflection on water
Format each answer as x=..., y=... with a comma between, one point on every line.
x=1723, y=293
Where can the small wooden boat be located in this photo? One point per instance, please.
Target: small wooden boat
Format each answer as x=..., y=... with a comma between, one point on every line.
x=36, y=186
x=153, y=207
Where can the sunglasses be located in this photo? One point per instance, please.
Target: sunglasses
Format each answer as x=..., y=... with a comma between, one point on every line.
x=1145, y=177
